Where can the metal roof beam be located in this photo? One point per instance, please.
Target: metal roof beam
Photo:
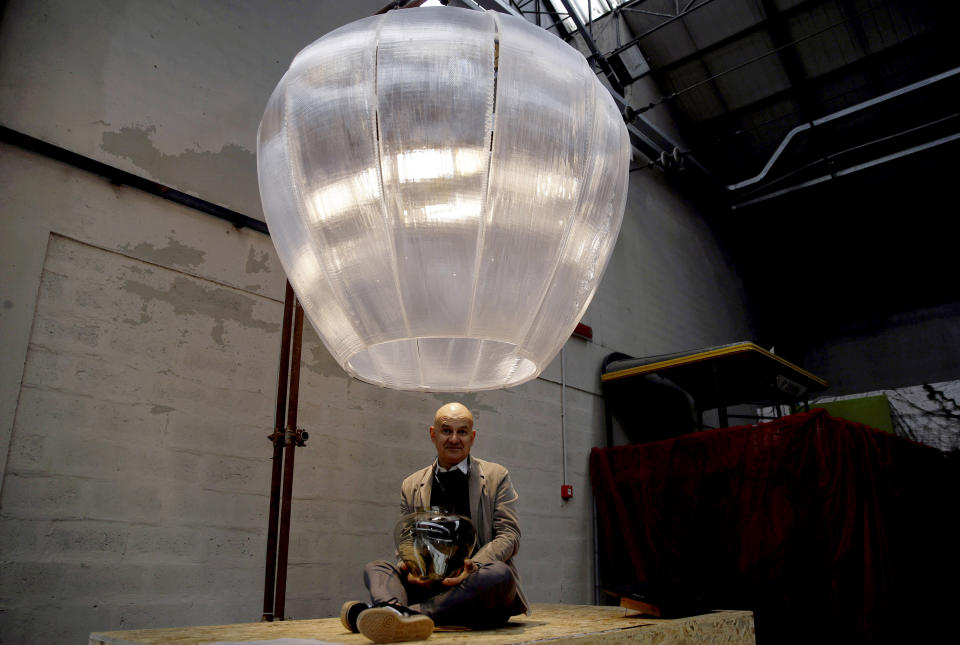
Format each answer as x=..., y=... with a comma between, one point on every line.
x=705, y=134
x=663, y=24
x=723, y=42
x=595, y=54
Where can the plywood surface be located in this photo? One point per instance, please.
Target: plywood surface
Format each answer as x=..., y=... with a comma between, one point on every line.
x=557, y=624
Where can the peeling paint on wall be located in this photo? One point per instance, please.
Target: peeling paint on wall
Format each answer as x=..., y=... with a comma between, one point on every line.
x=316, y=358
x=258, y=262
x=230, y=171
x=221, y=304
x=217, y=333
x=173, y=254
x=322, y=363
x=471, y=400
x=144, y=318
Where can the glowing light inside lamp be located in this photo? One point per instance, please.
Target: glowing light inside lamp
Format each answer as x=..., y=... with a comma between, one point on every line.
x=444, y=188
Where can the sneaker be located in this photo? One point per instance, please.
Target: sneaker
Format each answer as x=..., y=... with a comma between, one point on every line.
x=349, y=613
x=392, y=623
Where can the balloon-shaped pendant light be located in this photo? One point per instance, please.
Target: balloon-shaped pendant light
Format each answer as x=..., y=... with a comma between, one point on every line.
x=444, y=188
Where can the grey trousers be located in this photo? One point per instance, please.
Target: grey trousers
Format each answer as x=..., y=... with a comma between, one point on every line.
x=485, y=598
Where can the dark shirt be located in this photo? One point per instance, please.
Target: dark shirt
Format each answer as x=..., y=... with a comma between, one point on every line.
x=451, y=491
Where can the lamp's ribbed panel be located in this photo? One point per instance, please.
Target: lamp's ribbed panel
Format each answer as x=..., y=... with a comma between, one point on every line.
x=590, y=242
x=289, y=232
x=435, y=92
x=332, y=108
x=540, y=141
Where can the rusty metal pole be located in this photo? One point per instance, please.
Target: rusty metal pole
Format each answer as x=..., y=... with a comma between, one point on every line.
x=293, y=437
x=270, y=574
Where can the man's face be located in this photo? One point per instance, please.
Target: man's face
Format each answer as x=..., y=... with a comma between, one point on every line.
x=452, y=433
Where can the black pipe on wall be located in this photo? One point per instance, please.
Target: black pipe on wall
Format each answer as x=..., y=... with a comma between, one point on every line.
x=122, y=177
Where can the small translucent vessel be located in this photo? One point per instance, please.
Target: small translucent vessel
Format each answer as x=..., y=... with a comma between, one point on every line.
x=434, y=543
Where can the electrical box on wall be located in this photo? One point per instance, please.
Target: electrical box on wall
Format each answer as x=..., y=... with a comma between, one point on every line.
x=566, y=491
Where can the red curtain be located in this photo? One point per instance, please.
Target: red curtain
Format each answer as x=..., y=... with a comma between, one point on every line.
x=827, y=529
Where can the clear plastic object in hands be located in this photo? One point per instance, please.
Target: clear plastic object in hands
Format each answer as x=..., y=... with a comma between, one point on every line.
x=433, y=544
x=444, y=188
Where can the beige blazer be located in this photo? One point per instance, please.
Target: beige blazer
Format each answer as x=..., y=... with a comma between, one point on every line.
x=494, y=511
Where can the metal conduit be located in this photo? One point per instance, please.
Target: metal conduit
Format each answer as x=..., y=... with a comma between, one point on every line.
x=563, y=414
x=124, y=178
x=837, y=115
x=851, y=170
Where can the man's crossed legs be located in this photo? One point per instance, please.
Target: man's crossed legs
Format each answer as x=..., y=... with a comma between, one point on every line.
x=403, y=611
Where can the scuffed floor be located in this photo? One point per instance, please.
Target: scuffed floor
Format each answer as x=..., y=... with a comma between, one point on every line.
x=557, y=624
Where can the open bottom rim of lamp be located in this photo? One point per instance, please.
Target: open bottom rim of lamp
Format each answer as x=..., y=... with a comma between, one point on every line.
x=436, y=364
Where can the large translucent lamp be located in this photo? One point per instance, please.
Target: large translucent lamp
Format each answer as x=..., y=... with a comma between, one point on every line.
x=444, y=188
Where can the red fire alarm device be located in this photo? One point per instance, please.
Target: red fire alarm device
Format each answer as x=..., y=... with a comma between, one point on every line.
x=566, y=491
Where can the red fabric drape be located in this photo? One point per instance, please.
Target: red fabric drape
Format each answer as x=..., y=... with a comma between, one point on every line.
x=827, y=529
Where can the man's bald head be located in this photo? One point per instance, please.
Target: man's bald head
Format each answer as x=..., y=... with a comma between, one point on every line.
x=452, y=433
x=450, y=412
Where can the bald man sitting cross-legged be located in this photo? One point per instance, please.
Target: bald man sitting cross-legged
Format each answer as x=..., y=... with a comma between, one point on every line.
x=486, y=591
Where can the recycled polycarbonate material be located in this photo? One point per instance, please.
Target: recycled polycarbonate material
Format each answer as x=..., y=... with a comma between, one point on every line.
x=444, y=188
x=434, y=543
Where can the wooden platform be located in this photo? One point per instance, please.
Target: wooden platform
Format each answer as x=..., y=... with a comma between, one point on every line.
x=557, y=624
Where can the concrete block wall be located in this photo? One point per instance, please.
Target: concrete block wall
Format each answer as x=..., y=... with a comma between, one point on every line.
x=140, y=341
x=133, y=488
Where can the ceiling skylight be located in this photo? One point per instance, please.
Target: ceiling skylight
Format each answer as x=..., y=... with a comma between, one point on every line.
x=596, y=9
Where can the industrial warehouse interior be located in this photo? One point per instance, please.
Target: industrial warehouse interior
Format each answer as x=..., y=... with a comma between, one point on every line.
x=752, y=434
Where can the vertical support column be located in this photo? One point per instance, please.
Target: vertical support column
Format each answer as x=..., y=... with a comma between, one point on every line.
x=721, y=406
x=270, y=570
x=291, y=439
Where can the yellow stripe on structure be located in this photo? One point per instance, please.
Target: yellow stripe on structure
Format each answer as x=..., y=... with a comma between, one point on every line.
x=739, y=348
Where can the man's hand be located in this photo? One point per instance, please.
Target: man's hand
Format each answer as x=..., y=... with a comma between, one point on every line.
x=413, y=578
x=468, y=568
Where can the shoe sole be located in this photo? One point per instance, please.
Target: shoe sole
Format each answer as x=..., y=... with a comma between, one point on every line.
x=383, y=625
x=345, y=612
